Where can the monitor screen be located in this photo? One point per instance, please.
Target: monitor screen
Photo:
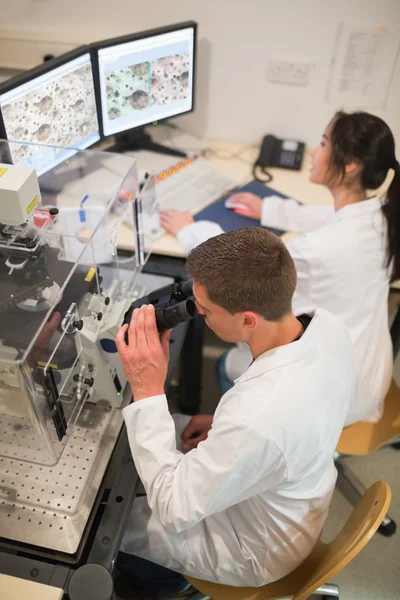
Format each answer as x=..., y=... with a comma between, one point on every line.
x=54, y=107
x=146, y=79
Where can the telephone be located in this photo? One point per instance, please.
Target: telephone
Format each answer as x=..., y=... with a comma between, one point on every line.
x=286, y=154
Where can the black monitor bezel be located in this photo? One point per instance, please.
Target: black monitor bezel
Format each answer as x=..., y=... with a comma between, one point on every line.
x=42, y=69
x=96, y=46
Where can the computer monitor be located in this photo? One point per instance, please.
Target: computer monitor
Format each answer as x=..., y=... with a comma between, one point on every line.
x=144, y=78
x=53, y=104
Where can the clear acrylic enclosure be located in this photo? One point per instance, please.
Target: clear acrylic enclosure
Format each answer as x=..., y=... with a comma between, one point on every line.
x=64, y=289
x=148, y=216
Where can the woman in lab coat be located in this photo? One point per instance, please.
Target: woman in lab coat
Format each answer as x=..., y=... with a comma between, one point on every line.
x=348, y=254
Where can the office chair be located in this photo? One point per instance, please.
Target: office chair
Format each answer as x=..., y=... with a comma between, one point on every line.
x=361, y=439
x=324, y=561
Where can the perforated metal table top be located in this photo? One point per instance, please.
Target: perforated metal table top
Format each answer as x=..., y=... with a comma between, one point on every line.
x=49, y=506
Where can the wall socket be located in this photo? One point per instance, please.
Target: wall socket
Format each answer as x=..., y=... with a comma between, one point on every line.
x=289, y=72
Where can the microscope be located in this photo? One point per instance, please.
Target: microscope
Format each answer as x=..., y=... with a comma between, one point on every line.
x=173, y=304
x=65, y=291
x=59, y=310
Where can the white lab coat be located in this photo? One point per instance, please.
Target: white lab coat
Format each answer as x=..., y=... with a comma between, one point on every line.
x=248, y=505
x=340, y=267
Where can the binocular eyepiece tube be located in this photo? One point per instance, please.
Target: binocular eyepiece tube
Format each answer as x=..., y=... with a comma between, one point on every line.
x=173, y=304
x=167, y=318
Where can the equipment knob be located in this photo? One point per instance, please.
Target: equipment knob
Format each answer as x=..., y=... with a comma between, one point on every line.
x=78, y=324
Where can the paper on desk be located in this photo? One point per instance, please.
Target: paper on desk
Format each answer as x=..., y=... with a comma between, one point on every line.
x=363, y=63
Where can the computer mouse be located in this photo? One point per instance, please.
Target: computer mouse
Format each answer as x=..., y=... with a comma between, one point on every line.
x=232, y=204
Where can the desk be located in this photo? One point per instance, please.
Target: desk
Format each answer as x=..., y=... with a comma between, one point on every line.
x=292, y=183
x=14, y=588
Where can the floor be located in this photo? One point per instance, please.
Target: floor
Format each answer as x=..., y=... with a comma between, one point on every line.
x=375, y=573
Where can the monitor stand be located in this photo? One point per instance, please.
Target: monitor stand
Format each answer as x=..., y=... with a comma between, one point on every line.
x=138, y=139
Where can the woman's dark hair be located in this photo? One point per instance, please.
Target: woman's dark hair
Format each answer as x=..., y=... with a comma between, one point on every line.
x=368, y=139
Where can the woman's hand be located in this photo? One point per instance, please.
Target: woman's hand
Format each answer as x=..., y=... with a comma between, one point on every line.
x=251, y=202
x=175, y=220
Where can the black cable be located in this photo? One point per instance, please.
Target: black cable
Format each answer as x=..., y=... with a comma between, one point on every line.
x=268, y=176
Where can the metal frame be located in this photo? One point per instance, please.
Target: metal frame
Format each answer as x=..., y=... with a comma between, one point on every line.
x=353, y=489
x=329, y=590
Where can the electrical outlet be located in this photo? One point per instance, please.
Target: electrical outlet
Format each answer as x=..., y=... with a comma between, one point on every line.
x=289, y=72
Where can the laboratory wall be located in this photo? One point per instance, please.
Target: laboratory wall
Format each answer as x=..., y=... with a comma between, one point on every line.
x=234, y=99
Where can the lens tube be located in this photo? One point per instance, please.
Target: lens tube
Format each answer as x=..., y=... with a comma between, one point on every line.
x=169, y=317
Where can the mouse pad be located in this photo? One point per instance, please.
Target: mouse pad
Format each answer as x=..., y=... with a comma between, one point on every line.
x=228, y=219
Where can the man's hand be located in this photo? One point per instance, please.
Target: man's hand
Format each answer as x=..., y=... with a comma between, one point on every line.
x=175, y=220
x=145, y=359
x=196, y=431
x=252, y=203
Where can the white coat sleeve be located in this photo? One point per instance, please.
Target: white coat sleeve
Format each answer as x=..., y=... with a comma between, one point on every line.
x=194, y=234
x=289, y=215
x=223, y=470
x=304, y=258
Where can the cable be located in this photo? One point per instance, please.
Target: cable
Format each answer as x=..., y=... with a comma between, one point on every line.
x=268, y=176
x=226, y=155
x=221, y=154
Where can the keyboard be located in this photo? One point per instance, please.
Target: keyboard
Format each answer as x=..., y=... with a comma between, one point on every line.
x=193, y=188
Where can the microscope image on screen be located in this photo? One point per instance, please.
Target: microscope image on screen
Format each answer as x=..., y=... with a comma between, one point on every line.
x=57, y=108
x=153, y=83
x=145, y=78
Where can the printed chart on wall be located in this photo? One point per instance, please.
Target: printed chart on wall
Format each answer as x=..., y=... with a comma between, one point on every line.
x=363, y=64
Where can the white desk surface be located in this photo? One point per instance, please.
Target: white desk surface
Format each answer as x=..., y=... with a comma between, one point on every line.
x=14, y=588
x=294, y=184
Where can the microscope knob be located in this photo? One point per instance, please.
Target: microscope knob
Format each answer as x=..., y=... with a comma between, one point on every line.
x=89, y=381
x=78, y=324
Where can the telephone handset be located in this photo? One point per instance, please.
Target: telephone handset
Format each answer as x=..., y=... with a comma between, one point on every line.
x=286, y=154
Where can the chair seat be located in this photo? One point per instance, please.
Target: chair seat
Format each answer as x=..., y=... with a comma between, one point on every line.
x=282, y=588
x=362, y=438
x=324, y=561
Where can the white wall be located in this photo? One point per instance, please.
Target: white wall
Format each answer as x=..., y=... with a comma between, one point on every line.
x=234, y=99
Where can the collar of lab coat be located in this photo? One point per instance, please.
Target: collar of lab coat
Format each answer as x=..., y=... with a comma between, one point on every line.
x=281, y=356
x=358, y=208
